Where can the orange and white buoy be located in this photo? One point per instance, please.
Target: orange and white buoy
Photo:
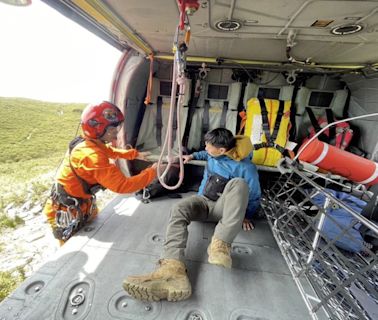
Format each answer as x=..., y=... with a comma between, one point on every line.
x=343, y=163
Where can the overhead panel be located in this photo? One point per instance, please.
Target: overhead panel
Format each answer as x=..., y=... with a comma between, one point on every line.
x=247, y=29
x=262, y=22
x=155, y=21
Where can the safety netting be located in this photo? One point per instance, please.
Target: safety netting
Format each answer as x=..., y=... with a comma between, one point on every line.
x=328, y=241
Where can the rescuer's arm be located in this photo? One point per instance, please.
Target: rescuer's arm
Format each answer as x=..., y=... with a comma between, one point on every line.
x=112, y=178
x=116, y=153
x=130, y=154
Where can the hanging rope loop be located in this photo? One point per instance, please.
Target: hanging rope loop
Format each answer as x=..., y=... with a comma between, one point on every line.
x=178, y=79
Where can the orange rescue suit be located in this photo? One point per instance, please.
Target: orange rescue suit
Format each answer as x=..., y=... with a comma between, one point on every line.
x=92, y=162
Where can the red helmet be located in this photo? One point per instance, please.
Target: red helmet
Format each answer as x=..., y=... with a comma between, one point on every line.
x=96, y=118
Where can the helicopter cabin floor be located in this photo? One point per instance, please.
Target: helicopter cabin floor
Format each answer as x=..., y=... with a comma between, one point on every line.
x=84, y=279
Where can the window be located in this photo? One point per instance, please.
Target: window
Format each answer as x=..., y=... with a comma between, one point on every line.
x=217, y=92
x=166, y=88
x=269, y=93
x=320, y=99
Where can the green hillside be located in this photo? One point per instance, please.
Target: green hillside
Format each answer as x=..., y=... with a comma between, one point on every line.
x=34, y=137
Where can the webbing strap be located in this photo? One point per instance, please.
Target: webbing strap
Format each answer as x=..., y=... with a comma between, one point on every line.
x=370, y=211
x=293, y=130
x=159, y=120
x=258, y=146
x=332, y=129
x=60, y=195
x=205, y=123
x=322, y=137
x=265, y=121
x=87, y=188
x=189, y=119
x=174, y=124
x=224, y=115
x=72, y=145
x=270, y=139
x=278, y=120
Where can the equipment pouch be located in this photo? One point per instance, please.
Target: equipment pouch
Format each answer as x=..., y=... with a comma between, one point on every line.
x=214, y=186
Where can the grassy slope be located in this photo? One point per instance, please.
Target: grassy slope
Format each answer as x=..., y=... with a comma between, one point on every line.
x=34, y=137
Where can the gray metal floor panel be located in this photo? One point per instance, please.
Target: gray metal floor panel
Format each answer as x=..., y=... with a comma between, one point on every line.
x=127, y=239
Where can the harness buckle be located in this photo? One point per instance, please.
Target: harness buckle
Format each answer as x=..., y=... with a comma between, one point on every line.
x=76, y=202
x=146, y=196
x=271, y=144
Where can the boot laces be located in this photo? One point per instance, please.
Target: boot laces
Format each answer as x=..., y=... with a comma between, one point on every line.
x=221, y=246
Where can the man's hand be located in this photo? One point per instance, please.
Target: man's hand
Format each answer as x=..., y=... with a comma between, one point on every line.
x=143, y=155
x=248, y=225
x=187, y=158
x=154, y=165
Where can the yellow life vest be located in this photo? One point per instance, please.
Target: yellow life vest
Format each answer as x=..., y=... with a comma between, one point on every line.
x=268, y=138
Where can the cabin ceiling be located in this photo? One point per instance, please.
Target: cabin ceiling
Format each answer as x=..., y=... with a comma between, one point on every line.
x=265, y=27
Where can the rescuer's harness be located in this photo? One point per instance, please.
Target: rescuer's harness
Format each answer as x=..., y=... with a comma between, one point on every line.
x=69, y=215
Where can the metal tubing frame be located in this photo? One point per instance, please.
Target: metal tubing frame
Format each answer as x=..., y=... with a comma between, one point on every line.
x=328, y=272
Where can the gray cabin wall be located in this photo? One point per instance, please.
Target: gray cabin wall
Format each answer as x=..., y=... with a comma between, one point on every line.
x=325, y=82
x=364, y=100
x=130, y=97
x=132, y=89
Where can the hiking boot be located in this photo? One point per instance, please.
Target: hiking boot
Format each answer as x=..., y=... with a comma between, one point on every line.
x=169, y=281
x=219, y=253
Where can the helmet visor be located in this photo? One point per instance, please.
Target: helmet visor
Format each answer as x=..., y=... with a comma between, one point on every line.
x=111, y=115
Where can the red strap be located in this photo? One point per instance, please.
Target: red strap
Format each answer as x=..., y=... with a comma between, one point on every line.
x=243, y=116
x=149, y=86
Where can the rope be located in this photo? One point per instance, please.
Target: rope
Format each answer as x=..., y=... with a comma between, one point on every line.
x=180, y=80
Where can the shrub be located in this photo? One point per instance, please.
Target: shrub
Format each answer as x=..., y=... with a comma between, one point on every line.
x=9, y=281
x=6, y=222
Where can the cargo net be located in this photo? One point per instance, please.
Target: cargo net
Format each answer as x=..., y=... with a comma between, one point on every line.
x=330, y=248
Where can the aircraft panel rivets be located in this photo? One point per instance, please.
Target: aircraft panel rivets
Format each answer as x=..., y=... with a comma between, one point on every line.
x=147, y=308
x=124, y=304
x=77, y=299
x=242, y=250
x=74, y=311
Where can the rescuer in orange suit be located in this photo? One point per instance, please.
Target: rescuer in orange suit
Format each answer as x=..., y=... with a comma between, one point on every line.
x=88, y=167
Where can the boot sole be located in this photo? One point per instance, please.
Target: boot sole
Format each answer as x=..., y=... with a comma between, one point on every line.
x=219, y=263
x=149, y=294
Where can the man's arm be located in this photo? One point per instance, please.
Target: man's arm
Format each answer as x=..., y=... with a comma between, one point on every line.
x=201, y=155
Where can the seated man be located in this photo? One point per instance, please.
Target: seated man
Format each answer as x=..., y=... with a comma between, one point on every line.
x=229, y=193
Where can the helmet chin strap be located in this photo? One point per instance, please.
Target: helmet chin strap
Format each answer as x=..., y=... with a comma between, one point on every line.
x=107, y=137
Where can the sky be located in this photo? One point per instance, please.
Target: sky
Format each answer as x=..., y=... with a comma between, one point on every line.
x=46, y=56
